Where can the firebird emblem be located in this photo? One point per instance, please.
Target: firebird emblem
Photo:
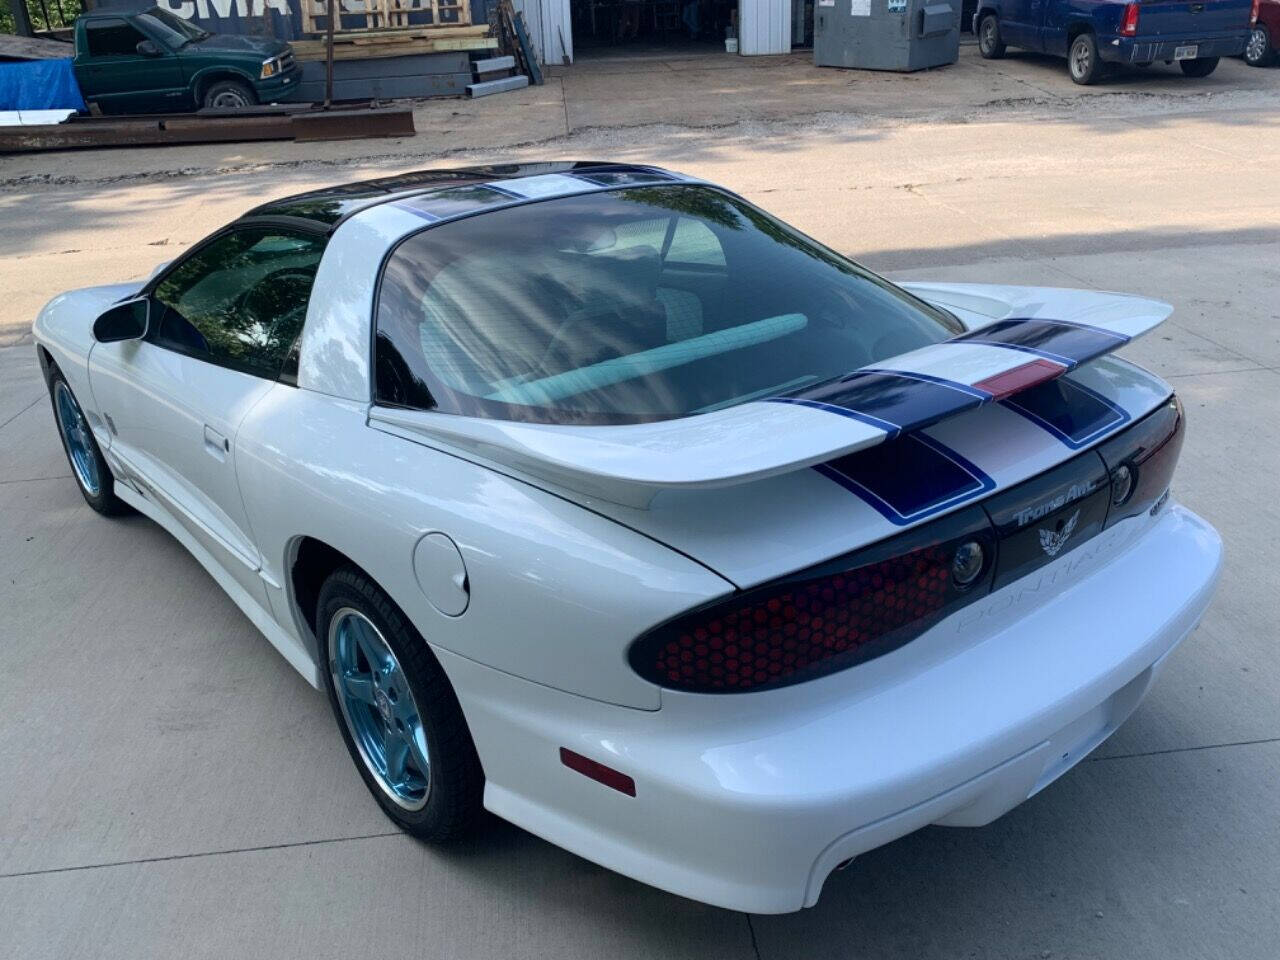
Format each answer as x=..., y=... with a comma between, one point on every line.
x=1052, y=541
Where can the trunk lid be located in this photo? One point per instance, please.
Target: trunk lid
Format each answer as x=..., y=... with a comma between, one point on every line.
x=767, y=487
x=750, y=533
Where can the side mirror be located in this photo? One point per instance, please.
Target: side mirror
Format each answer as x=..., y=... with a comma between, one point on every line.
x=124, y=321
x=147, y=48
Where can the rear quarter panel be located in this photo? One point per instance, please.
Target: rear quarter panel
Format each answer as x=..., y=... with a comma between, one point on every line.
x=1065, y=18
x=557, y=592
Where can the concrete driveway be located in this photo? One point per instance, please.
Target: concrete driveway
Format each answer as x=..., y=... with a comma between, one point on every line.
x=171, y=788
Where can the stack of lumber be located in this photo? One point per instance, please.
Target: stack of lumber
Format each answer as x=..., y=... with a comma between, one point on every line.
x=495, y=75
x=515, y=38
x=372, y=44
x=382, y=14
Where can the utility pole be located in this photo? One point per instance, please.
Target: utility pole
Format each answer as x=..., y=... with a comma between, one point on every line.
x=328, y=52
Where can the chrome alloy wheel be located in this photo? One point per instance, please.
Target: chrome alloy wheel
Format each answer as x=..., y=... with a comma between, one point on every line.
x=75, y=432
x=1256, y=48
x=379, y=709
x=988, y=33
x=1081, y=56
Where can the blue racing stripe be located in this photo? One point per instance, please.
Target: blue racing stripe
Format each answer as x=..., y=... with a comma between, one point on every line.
x=910, y=478
x=454, y=201
x=973, y=391
x=892, y=429
x=408, y=207
x=506, y=193
x=1069, y=410
x=615, y=178
x=1068, y=343
x=902, y=401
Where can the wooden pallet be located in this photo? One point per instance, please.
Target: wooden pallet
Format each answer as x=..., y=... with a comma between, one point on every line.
x=386, y=14
x=409, y=33
x=315, y=49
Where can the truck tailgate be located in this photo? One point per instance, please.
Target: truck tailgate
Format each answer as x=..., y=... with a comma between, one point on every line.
x=1187, y=18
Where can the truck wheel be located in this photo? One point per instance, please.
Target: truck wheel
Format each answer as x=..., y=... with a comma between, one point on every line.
x=989, y=43
x=1082, y=60
x=229, y=95
x=1257, y=52
x=1199, y=67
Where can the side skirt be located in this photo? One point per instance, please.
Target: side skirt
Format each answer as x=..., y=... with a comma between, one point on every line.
x=289, y=648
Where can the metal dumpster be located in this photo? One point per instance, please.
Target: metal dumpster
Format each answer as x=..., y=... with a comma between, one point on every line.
x=899, y=35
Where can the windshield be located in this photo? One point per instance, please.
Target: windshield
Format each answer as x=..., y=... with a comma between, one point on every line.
x=635, y=305
x=173, y=30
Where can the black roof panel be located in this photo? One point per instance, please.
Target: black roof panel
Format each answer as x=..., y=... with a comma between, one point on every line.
x=330, y=205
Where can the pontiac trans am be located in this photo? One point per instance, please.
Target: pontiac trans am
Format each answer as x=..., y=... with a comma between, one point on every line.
x=595, y=496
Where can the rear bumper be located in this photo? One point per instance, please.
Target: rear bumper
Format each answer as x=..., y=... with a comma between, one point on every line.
x=1146, y=50
x=749, y=801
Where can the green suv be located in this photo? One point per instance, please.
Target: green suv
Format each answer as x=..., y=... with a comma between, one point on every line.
x=153, y=61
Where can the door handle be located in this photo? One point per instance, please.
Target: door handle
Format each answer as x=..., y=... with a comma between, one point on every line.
x=215, y=444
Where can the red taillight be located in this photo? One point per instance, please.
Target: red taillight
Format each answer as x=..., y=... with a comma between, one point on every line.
x=1129, y=27
x=824, y=619
x=1253, y=14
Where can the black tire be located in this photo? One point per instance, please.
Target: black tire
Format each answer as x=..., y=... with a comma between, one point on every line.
x=1082, y=60
x=990, y=46
x=103, y=499
x=454, y=796
x=1257, y=50
x=228, y=94
x=1199, y=67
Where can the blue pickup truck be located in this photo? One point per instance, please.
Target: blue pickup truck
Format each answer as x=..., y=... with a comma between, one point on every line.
x=1093, y=34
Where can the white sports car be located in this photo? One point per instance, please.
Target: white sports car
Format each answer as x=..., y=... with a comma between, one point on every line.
x=595, y=496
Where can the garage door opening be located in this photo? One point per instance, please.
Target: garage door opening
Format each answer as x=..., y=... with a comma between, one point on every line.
x=658, y=28
x=569, y=30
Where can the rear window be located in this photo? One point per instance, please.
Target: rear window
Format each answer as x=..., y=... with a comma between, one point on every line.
x=112, y=38
x=635, y=305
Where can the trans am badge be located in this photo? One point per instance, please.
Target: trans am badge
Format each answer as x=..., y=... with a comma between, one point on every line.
x=1052, y=541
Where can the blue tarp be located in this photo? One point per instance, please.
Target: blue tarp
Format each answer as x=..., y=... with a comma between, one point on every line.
x=39, y=85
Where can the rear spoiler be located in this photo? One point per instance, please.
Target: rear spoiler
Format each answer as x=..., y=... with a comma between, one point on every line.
x=1016, y=338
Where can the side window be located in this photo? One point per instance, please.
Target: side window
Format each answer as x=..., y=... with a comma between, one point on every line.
x=112, y=38
x=240, y=300
x=640, y=233
x=693, y=242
